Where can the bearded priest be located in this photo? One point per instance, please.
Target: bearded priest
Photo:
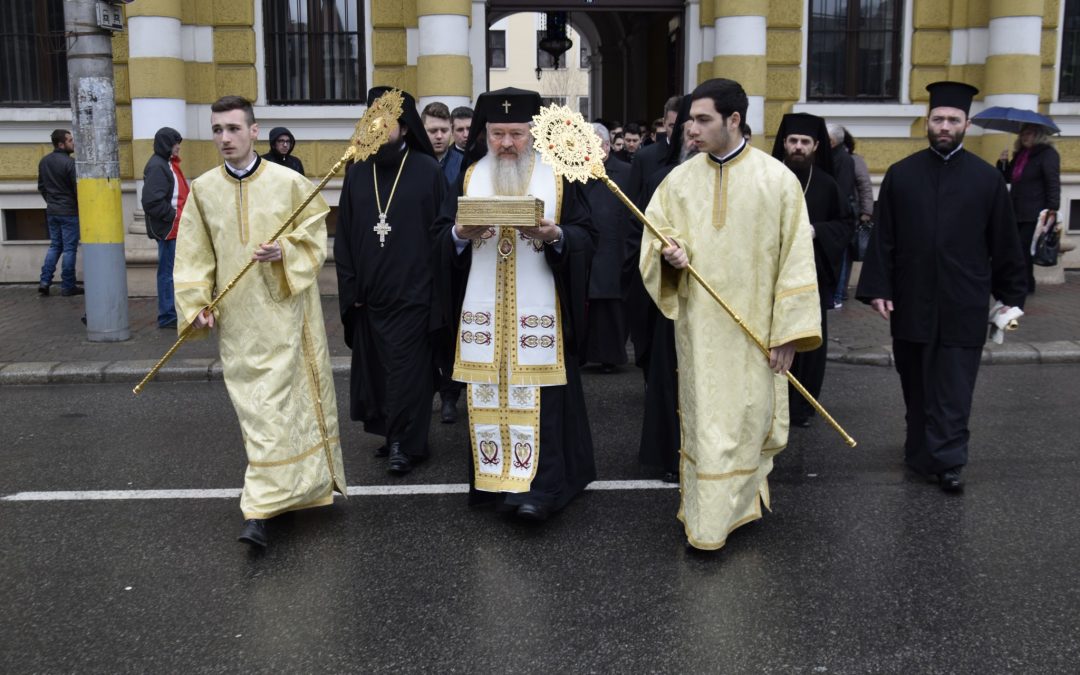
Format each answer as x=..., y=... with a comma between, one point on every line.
x=517, y=298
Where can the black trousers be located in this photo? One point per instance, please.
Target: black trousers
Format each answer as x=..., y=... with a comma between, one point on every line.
x=809, y=369
x=938, y=384
x=1027, y=231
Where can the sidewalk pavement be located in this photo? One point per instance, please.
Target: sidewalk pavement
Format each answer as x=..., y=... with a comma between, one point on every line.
x=42, y=339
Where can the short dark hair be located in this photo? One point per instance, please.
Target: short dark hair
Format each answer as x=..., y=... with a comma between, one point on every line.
x=672, y=105
x=633, y=128
x=727, y=96
x=58, y=136
x=436, y=109
x=227, y=103
x=462, y=112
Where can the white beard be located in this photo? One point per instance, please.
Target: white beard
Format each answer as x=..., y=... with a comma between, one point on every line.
x=511, y=176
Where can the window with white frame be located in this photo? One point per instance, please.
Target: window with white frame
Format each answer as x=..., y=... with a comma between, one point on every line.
x=854, y=50
x=314, y=51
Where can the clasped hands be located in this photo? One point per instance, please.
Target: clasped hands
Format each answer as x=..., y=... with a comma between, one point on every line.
x=547, y=231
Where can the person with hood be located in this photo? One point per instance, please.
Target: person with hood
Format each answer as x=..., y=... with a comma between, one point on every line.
x=383, y=255
x=282, y=143
x=165, y=190
x=802, y=144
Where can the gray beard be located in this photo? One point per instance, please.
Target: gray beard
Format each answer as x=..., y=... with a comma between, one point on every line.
x=512, y=176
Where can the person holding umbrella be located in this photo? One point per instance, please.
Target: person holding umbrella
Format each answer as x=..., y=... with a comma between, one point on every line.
x=1035, y=176
x=1034, y=172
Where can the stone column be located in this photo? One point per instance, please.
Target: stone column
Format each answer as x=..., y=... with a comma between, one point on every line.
x=443, y=69
x=1013, y=66
x=740, y=52
x=157, y=82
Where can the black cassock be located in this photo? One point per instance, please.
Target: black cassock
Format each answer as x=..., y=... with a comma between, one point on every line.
x=660, y=433
x=566, y=459
x=833, y=228
x=945, y=240
x=391, y=379
x=606, y=341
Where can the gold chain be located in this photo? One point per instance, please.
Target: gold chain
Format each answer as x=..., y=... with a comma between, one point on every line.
x=375, y=173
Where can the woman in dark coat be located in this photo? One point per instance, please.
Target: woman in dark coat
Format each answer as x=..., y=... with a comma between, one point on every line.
x=1034, y=175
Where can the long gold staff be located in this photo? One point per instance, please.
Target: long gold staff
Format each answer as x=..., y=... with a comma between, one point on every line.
x=371, y=131
x=568, y=143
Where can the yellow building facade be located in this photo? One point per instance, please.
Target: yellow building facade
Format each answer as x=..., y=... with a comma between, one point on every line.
x=175, y=57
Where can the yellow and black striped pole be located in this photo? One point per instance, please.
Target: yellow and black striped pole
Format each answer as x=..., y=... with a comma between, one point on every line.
x=97, y=167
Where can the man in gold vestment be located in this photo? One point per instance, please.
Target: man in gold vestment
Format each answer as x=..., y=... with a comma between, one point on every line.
x=739, y=217
x=271, y=332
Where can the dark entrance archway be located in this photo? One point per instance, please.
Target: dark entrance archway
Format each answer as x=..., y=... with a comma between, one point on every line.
x=638, y=50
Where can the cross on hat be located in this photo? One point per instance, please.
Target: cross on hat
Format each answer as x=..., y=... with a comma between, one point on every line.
x=506, y=107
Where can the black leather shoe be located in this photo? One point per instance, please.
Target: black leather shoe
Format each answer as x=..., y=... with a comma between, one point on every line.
x=449, y=411
x=671, y=477
x=382, y=451
x=801, y=422
x=254, y=533
x=43, y=290
x=950, y=480
x=532, y=512
x=68, y=292
x=399, y=462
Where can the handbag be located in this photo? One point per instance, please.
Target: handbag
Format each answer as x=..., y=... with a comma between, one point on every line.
x=1047, y=247
x=861, y=240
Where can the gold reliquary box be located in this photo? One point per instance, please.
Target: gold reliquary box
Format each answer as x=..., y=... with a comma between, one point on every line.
x=500, y=211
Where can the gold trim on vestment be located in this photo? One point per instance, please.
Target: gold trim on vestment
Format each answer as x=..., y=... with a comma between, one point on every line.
x=777, y=342
x=295, y=458
x=179, y=285
x=265, y=515
x=796, y=291
x=316, y=394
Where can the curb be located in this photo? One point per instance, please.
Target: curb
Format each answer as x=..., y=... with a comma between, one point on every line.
x=208, y=370
x=1010, y=353
x=111, y=372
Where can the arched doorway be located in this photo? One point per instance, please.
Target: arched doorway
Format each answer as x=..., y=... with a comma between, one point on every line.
x=634, y=53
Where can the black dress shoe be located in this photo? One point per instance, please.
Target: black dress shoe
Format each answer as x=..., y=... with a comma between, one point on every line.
x=43, y=290
x=68, y=292
x=449, y=411
x=399, y=462
x=254, y=533
x=801, y=422
x=382, y=451
x=532, y=512
x=950, y=480
x=671, y=477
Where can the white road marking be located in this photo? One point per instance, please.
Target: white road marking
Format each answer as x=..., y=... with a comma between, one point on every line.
x=354, y=491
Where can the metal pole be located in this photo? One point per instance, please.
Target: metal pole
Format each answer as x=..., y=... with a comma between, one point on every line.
x=97, y=167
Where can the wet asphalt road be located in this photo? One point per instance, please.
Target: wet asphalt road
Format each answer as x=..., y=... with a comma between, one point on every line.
x=858, y=569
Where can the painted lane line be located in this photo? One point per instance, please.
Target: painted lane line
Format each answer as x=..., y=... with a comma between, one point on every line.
x=354, y=491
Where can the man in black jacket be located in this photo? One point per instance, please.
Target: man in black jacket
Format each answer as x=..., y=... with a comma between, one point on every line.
x=945, y=241
x=163, y=195
x=282, y=144
x=56, y=183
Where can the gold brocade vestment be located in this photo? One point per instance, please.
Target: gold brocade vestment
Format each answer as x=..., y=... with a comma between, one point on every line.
x=745, y=228
x=272, y=337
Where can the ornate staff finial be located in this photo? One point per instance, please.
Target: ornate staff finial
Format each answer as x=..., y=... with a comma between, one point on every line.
x=373, y=129
x=568, y=143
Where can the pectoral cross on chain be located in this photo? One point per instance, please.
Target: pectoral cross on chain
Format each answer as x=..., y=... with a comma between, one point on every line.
x=382, y=229
x=506, y=107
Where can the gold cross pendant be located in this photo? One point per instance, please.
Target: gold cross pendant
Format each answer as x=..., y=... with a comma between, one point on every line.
x=382, y=229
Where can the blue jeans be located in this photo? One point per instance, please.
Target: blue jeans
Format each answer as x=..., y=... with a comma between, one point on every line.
x=166, y=305
x=63, y=238
x=841, y=285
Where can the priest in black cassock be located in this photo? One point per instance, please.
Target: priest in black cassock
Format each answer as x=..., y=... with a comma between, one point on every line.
x=660, y=433
x=606, y=342
x=944, y=243
x=383, y=253
x=802, y=143
x=519, y=317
